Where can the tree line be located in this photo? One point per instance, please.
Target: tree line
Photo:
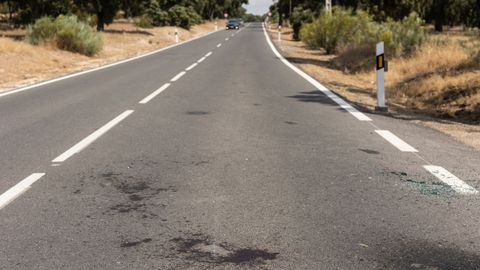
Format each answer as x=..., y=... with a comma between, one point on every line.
x=24, y=12
x=437, y=12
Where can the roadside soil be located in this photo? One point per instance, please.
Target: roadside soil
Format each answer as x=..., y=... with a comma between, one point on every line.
x=358, y=86
x=23, y=64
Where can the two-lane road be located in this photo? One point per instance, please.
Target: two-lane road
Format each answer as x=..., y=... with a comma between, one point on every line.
x=215, y=154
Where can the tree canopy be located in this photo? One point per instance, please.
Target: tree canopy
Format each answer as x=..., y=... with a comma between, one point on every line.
x=24, y=12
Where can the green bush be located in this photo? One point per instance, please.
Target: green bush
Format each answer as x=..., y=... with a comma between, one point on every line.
x=68, y=32
x=344, y=28
x=43, y=30
x=330, y=31
x=407, y=34
x=299, y=17
x=143, y=22
x=184, y=17
x=73, y=35
x=157, y=16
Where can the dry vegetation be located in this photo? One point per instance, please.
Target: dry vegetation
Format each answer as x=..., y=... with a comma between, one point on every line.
x=24, y=64
x=438, y=86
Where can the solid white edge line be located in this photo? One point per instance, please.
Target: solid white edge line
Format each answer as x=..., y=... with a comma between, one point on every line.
x=220, y=44
x=154, y=94
x=191, y=66
x=201, y=60
x=396, y=141
x=357, y=114
x=178, y=76
x=14, y=192
x=92, y=137
x=448, y=178
x=208, y=54
x=13, y=91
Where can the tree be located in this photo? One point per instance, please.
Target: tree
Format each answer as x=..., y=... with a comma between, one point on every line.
x=105, y=10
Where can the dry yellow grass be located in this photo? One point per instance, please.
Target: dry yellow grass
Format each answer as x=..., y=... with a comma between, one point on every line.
x=24, y=64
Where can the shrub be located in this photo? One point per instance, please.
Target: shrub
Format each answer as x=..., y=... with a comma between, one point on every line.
x=299, y=17
x=344, y=29
x=73, y=35
x=330, y=31
x=43, y=29
x=143, y=22
x=184, y=17
x=157, y=16
x=69, y=34
x=407, y=34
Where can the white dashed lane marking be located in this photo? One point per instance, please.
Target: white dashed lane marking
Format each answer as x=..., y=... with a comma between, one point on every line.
x=396, y=141
x=178, y=76
x=92, y=137
x=154, y=94
x=19, y=189
x=448, y=178
x=191, y=66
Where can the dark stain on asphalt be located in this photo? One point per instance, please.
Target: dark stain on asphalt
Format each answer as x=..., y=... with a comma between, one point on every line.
x=135, y=243
x=136, y=197
x=368, y=151
x=291, y=123
x=257, y=104
x=405, y=254
x=197, y=113
x=201, y=248
x=128, y=207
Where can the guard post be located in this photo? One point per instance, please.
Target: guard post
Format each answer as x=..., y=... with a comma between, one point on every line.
x=279, y=33
x=381, y=68
x=176, y=35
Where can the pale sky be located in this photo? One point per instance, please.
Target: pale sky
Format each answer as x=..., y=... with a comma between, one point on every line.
x=258, y=7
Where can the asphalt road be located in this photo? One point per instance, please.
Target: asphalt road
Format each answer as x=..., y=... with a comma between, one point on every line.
x=240, y=163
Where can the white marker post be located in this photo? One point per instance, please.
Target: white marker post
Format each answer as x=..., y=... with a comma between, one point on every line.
x=380, y=66
x=279, y=33
x=176, y=35
x=216, y=25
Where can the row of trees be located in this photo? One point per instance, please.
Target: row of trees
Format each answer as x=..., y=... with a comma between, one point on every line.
x=438, y=12
x=22, y=12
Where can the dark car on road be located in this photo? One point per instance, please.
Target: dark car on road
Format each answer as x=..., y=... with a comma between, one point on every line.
x=234, y=24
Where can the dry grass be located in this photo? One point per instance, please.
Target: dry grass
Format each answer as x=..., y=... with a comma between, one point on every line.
x=26, y=64
x=439, y=84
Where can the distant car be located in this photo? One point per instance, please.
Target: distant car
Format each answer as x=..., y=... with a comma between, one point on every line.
x=234, y=24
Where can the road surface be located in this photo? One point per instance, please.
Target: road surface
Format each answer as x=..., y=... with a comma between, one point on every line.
x=209, y=156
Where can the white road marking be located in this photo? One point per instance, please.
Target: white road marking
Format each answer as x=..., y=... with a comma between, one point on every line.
x=349, y=108
x=178, y=76
x=102, y=67
x=220, y=44
x=232, y=35
x=201, y=59
x=191, y=66
x=92, y=137
x=450, y=179
x=17, y=190
x=396, y=141
x=154, y=94
x=226, y=39
x=208, y=54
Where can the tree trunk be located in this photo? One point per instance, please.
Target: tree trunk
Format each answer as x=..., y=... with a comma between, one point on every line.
x=439, y=15
x=100, y=21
